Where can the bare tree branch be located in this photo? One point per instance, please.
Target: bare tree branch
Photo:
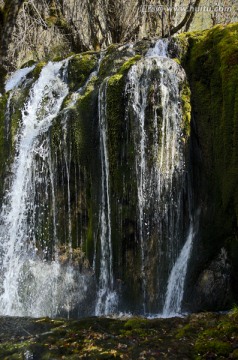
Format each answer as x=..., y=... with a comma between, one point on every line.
x=187, y=18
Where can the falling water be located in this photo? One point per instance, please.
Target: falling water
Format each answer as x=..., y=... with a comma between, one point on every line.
x=31, y=284
x=160, y=49
x=17, y=78
x=159, y=163
x=175, y=289
x=33, y=280
x=176, y=280
x=107, y=297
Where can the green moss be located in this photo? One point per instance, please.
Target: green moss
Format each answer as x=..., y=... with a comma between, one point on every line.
x=177, y=61
x=184, y=331
x=128, y=64
x=102, y=338
x=84, y=142
x=115, y=118
x=136, y=324
x=80, y=67
x=234, y=312
x=28, y=64
x=3, y=74
x=121, y=168
x=82, y=124
x=220, y=348
x=116, y=62
x=57, y=52
x=211, y=63
x=17, y=104
x=186, y=106
x=36, y=72
x=106, y=66
x=235, y=354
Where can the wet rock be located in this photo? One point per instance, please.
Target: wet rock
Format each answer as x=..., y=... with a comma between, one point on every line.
x=213, y=286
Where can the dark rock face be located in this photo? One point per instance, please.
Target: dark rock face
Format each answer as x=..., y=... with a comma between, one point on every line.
x=212, y=290
x=211, y=63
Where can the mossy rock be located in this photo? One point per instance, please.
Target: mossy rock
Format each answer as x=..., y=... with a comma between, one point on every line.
x=79, y=69
x=28, y=64
x=3, y=74
x=37, y=70
x=128, y=64
x=187, y=109
x=211, y=62
x=117, y=61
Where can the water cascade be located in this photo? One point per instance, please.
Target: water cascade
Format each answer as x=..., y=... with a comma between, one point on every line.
x=175, y=289
x=31, y=285
x=94, y=216
x=107, y=298
x=160, y=167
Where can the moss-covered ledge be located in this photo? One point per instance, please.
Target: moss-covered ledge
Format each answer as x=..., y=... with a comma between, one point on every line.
x=202, y=336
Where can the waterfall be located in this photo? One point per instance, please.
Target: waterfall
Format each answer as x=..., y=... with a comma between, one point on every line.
x=107, y=297
x=60, y=204
x=160, y=166
x=33, y=282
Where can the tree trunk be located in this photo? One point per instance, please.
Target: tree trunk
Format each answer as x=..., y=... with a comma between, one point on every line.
x=10, y=12
x=187, y=19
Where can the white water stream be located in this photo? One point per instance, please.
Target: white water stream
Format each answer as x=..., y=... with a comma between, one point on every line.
x=107, y=298
x=31, y=285
x=160, y=168
x=175, y=289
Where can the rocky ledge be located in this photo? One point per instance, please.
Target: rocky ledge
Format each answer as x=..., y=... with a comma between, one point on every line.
x=198, y=336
